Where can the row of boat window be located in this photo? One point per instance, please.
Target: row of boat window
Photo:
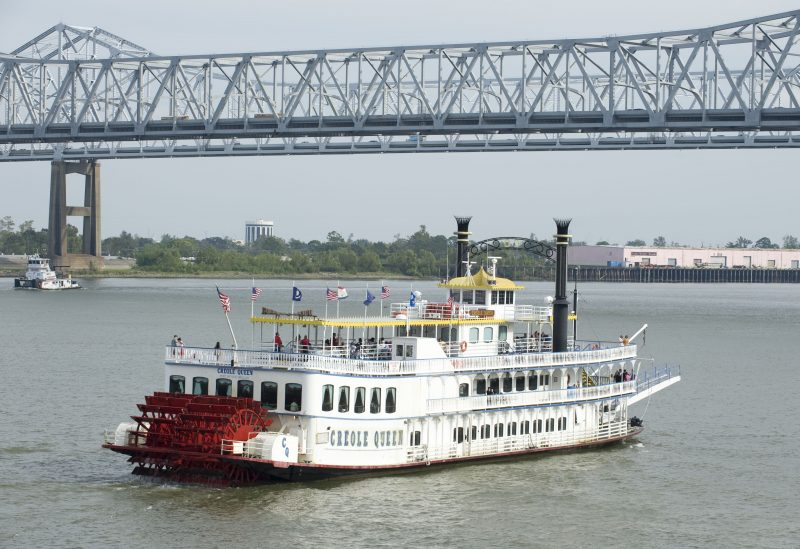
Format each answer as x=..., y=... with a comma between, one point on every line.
x=493, y=384
x=293, y=392
x=460, y=434
x=359, y=404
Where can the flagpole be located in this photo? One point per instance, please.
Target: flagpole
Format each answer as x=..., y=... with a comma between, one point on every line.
x=337, y=298
x=235, y=345
x=365, y=315
x=252, y=314
x=294, y=326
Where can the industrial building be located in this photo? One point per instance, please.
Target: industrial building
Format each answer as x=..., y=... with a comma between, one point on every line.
x=713, y=258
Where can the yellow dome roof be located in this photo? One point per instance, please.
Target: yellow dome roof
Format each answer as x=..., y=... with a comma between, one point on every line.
x=480, y=281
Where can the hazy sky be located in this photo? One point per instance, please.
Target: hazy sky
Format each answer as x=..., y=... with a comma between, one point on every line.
x=693, y=197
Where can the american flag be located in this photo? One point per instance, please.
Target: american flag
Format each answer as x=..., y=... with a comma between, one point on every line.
x=224, y=300
x=255, y=293
x=331, y=295
x=385, y=292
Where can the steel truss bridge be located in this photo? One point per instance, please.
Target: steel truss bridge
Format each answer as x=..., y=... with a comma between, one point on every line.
x=84, y=93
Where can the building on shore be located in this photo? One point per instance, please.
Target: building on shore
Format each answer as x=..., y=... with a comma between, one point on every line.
x=713, y=258
x=253, y=230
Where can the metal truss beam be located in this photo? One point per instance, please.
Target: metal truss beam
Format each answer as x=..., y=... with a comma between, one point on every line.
x=85, y=93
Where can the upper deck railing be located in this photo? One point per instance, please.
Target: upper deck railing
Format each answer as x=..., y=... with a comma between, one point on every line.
x=332, y=364
x=527, y=398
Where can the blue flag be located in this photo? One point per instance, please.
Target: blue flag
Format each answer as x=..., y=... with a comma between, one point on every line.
x=412, y=301
x=370, y=299
x=297, y=295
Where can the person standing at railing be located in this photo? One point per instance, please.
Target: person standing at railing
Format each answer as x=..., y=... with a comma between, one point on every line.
x=181, y=345
x=217, y=351
x=174, y=345
x=304, y=344
x=278, y=343
x=626, y=376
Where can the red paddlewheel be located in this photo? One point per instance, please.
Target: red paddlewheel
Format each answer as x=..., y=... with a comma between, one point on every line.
x=244, y=425
x=239, y=476
x=183, y=437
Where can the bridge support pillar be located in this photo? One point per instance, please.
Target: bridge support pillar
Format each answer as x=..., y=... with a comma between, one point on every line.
x=90, y=253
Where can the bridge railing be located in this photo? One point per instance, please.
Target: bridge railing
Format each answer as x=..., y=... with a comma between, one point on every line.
x=658, y=90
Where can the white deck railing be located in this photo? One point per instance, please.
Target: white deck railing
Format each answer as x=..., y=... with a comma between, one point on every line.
x=307, y=361
x=503, y=445
x=441, y=311
x=528, y=398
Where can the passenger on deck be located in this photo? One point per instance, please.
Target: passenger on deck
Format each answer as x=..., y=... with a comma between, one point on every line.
x=336, y=341
x=618, y=376
x=304, y=344
x=625, y=341
x=626, y=376
x=278, y=343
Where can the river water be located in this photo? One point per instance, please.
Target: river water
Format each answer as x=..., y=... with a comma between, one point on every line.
x=717, y=465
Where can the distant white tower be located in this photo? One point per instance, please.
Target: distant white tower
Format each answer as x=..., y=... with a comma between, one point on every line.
x=253, y=230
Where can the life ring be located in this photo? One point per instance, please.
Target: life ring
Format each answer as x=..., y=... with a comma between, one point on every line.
x=463, y=346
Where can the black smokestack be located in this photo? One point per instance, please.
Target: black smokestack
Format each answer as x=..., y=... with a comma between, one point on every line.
x=462, y=238
x=561, y=305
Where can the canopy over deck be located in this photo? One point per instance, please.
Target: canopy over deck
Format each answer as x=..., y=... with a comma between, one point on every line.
x=480, y=281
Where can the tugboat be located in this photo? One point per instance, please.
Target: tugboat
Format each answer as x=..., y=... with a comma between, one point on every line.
x=40, y=276
x=474, y=375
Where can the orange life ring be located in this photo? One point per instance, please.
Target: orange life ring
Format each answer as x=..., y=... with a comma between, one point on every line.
x=463, y=346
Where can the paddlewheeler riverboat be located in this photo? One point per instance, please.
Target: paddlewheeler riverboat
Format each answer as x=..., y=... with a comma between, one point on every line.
x=39, y=276
x=475, y=375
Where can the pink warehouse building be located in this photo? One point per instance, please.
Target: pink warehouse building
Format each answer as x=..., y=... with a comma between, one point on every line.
x=634, y=256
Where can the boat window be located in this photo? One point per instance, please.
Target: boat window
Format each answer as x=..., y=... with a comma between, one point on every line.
x=474, y=433
x=537, y=426
x=458, y=435
x=415, y=439
x=550, y=425
x=480, y=385
x=200, y=386
x=244, y=388
x=224, y=387
x=512, y=428
x=525, y=427
x=488, y=334
x=480, y=297
x=269, y=395
x=361, y=396
x=473, y=334
x=375, y=401
x=507, y=383
x=327, y=398
x=177, y=384
x=509, y=297
x=463, y=390
x=293, y=399
x=486, y=431
x=498, y=430
x=562, y=424
x=409, y=351
x=502, y=333
x=399, y=350
x=544, y=380
x=391, y=400
x=467, y=297
x=519, y=382
x=533, y=381
x=344, y=399
x=494, y=385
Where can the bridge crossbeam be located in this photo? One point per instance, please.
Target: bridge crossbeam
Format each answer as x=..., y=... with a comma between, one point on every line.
x=735, y=85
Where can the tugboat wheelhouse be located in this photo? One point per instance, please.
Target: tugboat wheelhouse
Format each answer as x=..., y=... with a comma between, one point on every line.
x=475, y=375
